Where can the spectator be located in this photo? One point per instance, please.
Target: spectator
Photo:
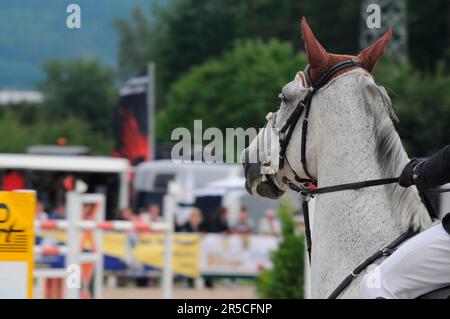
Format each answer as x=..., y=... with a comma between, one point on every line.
x=41, y=214
x=220, y=223
x=150, y=214
x=127, y=214
x=13, y=180
x=195, y=222
x=270, y=224
x=154, y=212
x=244, y=224
x=193, y=225
x=59, y=212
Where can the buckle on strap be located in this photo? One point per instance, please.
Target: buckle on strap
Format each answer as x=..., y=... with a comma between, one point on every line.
x=306, y=187
x=306, y=197
x=387, y=251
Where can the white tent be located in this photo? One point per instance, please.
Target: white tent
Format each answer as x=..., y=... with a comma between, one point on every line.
x=233, y=185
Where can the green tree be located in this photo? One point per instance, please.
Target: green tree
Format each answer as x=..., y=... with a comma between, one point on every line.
x=422, y=103
x=235, y=90
x=286, y=278
x=80, y=88
x=185, y=33
x=190, y=32
x=136, y=43
x=20, y=131
x=178, y=35
x=15, y=136
x=428, y=43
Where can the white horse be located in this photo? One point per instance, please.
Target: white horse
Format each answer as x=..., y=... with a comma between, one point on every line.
x=351, y=138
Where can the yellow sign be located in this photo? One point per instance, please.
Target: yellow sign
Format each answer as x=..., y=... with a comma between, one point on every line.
x=186, y=252
x=115, y=245
x=148, y=249
x=16, y=244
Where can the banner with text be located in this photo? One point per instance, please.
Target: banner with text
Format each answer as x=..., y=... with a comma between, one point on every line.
x=16, y=244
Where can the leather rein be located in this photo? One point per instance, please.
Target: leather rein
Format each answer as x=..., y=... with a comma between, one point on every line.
x=308, y=186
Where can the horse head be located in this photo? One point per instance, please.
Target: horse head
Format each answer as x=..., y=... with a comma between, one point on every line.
x=264, y=175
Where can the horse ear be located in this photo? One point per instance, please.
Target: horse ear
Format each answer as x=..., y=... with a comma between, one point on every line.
x=370, y=55
x=317, y=55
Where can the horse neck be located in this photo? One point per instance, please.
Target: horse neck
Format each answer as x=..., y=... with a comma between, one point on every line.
x=348, y=225
x=346, y=154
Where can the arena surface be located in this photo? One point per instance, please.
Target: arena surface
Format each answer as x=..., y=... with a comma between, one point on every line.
x=180, y=293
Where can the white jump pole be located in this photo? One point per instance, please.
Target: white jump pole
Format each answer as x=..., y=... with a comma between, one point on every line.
x=170, y=201
x=73, y=215
x=75, y=256
x=98, y=199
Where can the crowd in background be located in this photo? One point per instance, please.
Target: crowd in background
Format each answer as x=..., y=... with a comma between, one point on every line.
x=59, y=212
x=218, y=221
x=215, y=221
x=269, y=224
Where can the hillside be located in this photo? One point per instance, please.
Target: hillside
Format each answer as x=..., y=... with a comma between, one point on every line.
x=34, y=31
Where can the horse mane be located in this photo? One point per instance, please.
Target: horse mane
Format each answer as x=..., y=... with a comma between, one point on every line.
x=392, y=157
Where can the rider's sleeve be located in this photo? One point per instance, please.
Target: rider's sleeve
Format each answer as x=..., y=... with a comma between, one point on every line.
x=446, y=223
x=435, y=171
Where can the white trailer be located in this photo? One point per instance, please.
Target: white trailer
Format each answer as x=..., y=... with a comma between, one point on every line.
x=37, y=169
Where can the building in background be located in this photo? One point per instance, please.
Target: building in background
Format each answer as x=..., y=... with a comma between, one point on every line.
x=8, y=97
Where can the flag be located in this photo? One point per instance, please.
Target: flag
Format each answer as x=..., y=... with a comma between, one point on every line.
x=131, y=127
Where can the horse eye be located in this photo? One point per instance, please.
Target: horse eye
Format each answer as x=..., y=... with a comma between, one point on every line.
x=281, y=96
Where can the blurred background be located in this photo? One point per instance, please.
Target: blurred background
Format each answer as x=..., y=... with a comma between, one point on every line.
x=93, y=109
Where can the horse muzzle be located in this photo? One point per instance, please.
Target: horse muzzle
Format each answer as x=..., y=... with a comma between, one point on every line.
x=258, y=184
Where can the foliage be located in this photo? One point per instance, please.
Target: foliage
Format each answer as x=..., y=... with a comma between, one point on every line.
x=188, y=38
x=185, y=33
x=335, y=22
x=22, y=126
x=79, y=101
x=422, y=103
x=136, y=47
x=179, y=35
x=235, y=90
x=286, y=278
x=80, y=88
x=428, y=44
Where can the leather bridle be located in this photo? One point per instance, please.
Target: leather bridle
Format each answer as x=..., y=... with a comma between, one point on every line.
x=308, y=186
x=304, y=107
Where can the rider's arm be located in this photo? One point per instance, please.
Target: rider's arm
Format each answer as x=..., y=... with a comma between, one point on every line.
x=428, y=173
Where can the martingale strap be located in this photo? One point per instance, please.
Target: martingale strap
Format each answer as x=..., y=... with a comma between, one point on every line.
x=386, y=251
x=307, y=229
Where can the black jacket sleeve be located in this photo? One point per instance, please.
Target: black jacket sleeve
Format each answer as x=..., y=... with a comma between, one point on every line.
x=446, y=223
x=435, y=171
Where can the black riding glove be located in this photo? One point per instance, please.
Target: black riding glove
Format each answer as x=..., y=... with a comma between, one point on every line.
x=410, y=172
